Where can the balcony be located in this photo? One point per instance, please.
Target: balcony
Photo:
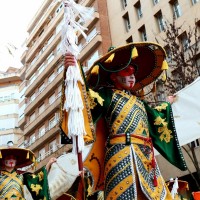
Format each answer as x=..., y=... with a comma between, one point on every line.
x=42, y=76
x=48, y=88
x=90, y=23
x=40, y=118
x=31, y=69
x=87, y=3
x=21, y=121
x=58, y=152
x=90, y=46
x=40, y=141
x=44, y=37
x=5, y=77
x=40, y=19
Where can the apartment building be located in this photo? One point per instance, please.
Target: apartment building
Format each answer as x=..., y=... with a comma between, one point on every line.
x=43, y=74
x=9, y=101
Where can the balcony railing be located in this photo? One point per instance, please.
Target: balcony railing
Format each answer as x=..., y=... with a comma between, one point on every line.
x=45, y=85
x=58, y=96
x=28, y=143
x=48, y=153
x=43, y=156
x=7, y=75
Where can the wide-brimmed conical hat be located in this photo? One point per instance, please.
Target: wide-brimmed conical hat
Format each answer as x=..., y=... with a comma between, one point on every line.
x=24, y=157
x=148, y=57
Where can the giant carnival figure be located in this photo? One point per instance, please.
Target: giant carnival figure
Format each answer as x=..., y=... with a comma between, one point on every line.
x=12, y=180
x=122, y=161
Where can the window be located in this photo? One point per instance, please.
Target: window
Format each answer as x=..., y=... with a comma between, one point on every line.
x=41, y=32
x=34, y=60
x=52, y=98
x=93, y=58
x=32, y=117
x=176, y=9
x=59, y=8
x=195, y=143
x=32, y=138
x=51, y=78
x=53, y=146
x=160, y=21
x=59, y=90
x=41, y=154
x=184, y=41
x=50, y=57
x=124, y=3
x=32, y=97
x=32, y=78
x=138, y=9
x=60, y=69
x=58, y=48
x=41, y=131
x=155, y=2
x=127, y=22
x=41, y=88
x=41, y=68
x=129, y=40
x=41, y=108
x=194, y=1
x=143, y=34
x=59, y=26
x=50, y=39
x=91, y=35
x=169, y=54
x=52, y=122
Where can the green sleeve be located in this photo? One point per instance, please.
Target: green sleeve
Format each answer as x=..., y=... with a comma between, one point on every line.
x=100, y=110
x=37, y=185
x=163, y=133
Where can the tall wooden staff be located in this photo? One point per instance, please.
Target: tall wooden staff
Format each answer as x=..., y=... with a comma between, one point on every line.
x=73, y=103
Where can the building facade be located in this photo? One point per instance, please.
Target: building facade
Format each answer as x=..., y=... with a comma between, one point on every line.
x=9, y=102
x=43, y=74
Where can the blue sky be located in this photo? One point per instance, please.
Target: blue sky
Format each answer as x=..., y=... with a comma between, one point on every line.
x=15, y=16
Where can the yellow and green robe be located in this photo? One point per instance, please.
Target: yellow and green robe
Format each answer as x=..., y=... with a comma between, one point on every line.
x=11, y=185
x=130, y=169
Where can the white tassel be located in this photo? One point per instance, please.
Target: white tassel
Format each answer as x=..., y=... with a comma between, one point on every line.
x=73, y=104
x=175, y=187
x=71, y=27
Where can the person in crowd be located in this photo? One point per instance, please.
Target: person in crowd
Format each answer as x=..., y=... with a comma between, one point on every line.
x=12, y=180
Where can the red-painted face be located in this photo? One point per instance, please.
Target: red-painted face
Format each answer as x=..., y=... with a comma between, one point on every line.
x=125, y=79
x=10, y=161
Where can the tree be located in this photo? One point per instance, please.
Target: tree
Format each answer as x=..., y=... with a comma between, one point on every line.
x=182, y=50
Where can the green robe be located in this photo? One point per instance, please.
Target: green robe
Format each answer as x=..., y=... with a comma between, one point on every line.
x=129, y=159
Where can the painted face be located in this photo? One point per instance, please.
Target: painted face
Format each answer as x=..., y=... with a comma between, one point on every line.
x=10, y=161
x=125, y=79
x=126, y=82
